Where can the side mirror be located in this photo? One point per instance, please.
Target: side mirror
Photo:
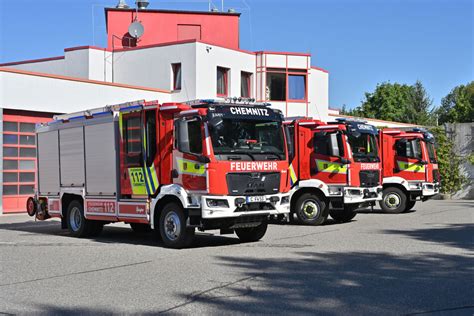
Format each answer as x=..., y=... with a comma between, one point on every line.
x=344, y=161
x=216, y=123
x=422, y=162
x=203, y=159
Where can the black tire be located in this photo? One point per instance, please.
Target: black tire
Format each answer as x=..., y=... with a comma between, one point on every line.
x=310, y=209
x=77, y=224
x=252, y=234
x=345, y=215
x=140, y=228
x=394, y=200
x=172, y=227
x=410, y=205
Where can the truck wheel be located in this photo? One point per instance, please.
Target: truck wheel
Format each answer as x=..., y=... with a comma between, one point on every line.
x=140, y=228
x=345, y=215
x=311, y=210
x=252, y=234
x=410, y=205
x=393, y=201
x=173, y=230
x=77, y=224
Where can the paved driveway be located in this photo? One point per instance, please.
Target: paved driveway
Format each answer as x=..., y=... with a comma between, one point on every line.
x=415, y=263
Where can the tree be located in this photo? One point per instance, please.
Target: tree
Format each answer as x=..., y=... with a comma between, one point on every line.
x=449, y=163
x=458, y=105
x=396, y=102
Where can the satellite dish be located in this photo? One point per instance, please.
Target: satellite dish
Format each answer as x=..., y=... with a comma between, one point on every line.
x=136, y=29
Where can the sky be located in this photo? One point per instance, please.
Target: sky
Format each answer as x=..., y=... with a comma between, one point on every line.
x=360, y=42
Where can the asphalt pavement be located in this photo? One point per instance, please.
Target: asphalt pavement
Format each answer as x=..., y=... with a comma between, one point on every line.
x=417, y=263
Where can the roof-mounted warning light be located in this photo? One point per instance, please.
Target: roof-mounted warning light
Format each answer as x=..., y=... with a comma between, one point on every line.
x=347, y=119
x=227, y=101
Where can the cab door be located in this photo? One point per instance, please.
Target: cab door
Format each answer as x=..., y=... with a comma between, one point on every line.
x=132, y=179
x=327, y=159
x=189, y=164
x=409, y=162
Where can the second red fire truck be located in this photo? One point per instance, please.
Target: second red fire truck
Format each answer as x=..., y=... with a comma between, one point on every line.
x=173, y=167
x=334, y=169
x=410, y=168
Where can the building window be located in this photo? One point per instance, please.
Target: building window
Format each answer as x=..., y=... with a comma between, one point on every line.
x=276, y=86
x=222, y=82
x=297, y=87
x=285, y=84
x=245, y=84
x=176, y=76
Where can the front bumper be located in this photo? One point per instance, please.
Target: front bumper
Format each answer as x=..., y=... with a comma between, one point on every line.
x=361, y=195
x=275, y=204
x=423, y=190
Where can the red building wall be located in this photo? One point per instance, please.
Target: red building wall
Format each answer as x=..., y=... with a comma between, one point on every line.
x=169, y=26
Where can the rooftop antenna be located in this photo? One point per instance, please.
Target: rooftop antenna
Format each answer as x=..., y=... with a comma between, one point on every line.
x=122, y=5
x=136, y=30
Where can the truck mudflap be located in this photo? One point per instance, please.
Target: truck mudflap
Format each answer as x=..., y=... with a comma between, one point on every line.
x=362, y=195
x=241, y=206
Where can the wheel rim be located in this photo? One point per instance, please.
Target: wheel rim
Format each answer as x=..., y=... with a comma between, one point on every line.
x=75, y=219
x=392, y=200
x=310, y=209
x=172, y=226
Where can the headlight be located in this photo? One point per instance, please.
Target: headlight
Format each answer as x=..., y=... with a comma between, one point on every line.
x=217, y=203
x=335, y=190
x=354, y=192
x=285, y=200
x=415, y=186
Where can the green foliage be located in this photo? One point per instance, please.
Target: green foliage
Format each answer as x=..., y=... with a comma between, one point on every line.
x=449, y=163
x=458, y=105
x=396, y=102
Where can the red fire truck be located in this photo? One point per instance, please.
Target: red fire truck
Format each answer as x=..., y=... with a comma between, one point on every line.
x=172, y=167
x=410, y=168
x=334, y=169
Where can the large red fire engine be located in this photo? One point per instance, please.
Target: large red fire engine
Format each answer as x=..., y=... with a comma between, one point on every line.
x=173, y=167
x=334, y=169
x=410, y=168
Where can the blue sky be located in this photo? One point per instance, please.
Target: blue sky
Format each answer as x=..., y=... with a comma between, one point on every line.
x=360, y=43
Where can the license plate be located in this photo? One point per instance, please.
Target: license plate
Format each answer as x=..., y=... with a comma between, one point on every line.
x=251, y=199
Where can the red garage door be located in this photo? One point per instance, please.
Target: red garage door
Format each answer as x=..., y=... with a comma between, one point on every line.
x=19, y=157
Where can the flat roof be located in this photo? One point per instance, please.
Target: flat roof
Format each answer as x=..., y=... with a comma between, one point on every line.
x=174, y=11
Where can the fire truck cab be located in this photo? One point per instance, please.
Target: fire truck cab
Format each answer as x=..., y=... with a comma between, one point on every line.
x=410, y=168
x=170, y=167
x=334, y=169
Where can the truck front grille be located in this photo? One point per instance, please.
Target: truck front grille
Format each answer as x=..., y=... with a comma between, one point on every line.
x=253, y=183
x=369, y=178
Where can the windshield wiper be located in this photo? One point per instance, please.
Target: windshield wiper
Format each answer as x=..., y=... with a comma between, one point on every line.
x=271, y=153
x=234, y=153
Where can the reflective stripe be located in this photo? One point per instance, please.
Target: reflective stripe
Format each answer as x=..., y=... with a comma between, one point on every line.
x=293, y=177
x=410, y=167
x=331, y=167
x=191, y=167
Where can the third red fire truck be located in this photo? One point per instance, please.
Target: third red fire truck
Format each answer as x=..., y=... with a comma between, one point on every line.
x=334, y=169
x=410, y=168
x=172, y=167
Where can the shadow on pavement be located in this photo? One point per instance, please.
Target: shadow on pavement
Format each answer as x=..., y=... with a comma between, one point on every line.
x=454, y=235
x=334, y=283
x=114, y=235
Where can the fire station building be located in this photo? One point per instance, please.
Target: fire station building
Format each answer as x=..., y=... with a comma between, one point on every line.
x=178, y=56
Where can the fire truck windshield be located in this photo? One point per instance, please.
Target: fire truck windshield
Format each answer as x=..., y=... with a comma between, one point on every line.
x=364, y=147
x=254, y=139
